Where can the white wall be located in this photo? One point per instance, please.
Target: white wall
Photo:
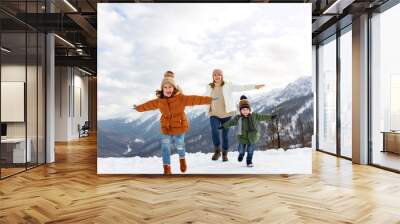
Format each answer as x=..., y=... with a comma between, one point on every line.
x=33, y=126
x=71, y=94
x=81, y=89
x=12, y=100
x=62, y=81
x=17, y=73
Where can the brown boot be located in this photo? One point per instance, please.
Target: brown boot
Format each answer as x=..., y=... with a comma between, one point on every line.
x=224, y=156
x=167, y=169
x=182, y=163
x=217, y=154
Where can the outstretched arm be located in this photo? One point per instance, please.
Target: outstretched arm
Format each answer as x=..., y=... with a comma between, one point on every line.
x=231, y=122
x=263, y=117
x=240, y=88
x=196, y=100
x=149, y=105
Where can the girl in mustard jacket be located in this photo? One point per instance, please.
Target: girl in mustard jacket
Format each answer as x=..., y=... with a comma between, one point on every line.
x=174, y=123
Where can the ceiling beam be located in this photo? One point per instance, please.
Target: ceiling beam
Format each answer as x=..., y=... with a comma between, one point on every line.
x=337, y=6
x=86, y=26
x=81, y=61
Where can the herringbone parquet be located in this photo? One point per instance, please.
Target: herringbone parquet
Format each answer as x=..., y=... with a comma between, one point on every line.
x=70, y=191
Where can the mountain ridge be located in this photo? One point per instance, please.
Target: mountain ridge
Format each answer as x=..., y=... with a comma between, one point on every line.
x=293, y=104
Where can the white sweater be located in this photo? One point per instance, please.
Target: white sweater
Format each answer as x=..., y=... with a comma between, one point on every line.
x=228, y=89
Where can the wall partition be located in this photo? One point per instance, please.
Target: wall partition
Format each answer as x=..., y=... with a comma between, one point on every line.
x=14, y=153
x=22, y=87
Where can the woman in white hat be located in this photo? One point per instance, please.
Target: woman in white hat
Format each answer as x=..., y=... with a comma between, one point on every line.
x=222, y=109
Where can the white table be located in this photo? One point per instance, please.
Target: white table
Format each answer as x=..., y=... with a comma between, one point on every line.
x=19, y=155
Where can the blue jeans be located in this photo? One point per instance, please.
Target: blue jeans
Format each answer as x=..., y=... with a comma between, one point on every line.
x=217, y=122
x=250, y=152
x=166, y=141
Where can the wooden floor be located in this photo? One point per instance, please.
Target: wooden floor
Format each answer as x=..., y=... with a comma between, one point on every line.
x=387, y=159
x=5, y=172
x=70, y=191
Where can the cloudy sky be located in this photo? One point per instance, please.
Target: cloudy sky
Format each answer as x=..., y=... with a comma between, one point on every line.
x=251, y=43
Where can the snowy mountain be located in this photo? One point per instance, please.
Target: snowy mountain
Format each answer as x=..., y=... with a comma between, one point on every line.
x=140, y=136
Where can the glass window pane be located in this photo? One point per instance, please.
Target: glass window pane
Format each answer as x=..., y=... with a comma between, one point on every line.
x=22, y=88
x=31, y=86
x=386, y=89
x=13, y=87
x=327, y=96
x=41, y=98
x=31, y=100
x=346, y=94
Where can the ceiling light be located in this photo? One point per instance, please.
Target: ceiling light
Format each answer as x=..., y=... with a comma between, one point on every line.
x=64, y=40
x=79, y=51
x=84, y=71
x=5, y=50
x=338, y=6
x=70, y=5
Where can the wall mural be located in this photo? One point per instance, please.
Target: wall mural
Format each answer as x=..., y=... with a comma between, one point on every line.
x=204, y=89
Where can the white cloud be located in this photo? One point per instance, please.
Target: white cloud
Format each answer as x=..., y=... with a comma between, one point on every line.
x=252, y=43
